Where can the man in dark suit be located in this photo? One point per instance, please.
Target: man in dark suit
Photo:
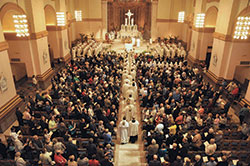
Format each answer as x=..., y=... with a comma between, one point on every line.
x=19, y=116
x=91, y=148
x=155, y=161
x=71, y=148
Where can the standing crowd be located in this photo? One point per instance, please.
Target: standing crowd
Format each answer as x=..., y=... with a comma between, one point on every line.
x=82, y=105
x=184, y=116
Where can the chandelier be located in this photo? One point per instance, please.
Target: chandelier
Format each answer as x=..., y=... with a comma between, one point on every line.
x=60, y=17
x=199, y=23
x=21, y=25
x=181, y=16
x=242, y=28
x=78, y=15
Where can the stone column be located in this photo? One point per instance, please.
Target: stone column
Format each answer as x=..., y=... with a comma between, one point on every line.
x=38, y=42
x=9, y=100
x=104, y=18
x=197, y=34
x=153, y=19
x=62, y=34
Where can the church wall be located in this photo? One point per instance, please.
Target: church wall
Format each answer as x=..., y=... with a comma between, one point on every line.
x=18, y=70
x=88, y=27
x=208, y=5
x=21, y=49
x=242, y=73
x=84, y=6
x=163, y=11
x=238, y=52
x=52, y=38
x=37, y=21
x=194, y=49
x=21, y=3
x=221, y=50
x=224, y=23
x=43, y=54
x=247, y=96
x=5, y=70
x=185, y=32
x=176, y=7
x=64, y=47
x=95, y=9
x=207, y=40
x=73, y=31
x=49, y=2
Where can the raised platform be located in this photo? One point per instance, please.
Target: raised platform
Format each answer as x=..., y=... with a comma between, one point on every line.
x=118, y=46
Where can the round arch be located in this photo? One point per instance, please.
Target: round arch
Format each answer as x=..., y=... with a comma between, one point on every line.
x=6, y=16
x=50, y=15
x=211, y=16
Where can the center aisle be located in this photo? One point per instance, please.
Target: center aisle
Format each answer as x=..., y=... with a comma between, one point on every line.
x=130, y=154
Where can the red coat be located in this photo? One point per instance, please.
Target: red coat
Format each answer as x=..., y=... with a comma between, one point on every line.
x=60, y=160
x=94, y=163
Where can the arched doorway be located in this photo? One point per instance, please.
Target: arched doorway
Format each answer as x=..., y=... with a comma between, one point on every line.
x=20, y=64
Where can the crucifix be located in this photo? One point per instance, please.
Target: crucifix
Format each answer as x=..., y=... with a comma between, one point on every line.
x=129, y=14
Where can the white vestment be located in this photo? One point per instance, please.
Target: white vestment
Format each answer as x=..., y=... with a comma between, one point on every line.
x=130, y=92
x=133, y=128
x=74, y=52
x=125, y=87
x=123, y=128
x=130, y=111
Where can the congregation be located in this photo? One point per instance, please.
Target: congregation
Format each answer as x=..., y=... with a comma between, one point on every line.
x=185, y=117
x=74, y=121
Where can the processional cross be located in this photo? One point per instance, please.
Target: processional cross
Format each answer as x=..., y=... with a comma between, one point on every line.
x=129, y=14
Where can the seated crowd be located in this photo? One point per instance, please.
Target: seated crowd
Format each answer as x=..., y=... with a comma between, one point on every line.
x=185, y=118
x=82, y=105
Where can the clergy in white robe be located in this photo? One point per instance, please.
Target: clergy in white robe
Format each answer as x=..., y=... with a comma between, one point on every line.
x=130, y=93
x=130, y=111
x=123, y=130
x=133, y=130
x=125, y=87
x=74, y=52
x=79, y=51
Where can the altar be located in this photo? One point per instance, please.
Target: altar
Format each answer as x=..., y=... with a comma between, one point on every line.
x=129, y=30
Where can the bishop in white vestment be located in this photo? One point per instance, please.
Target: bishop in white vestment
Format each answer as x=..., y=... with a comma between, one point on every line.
x=123, y=130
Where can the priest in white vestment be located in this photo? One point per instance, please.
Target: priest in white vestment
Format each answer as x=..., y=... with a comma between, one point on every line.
x=130, y=111
x=123, y=130
x=133, y=130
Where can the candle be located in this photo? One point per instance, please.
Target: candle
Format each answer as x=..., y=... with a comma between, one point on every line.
x=132, y=21
x=126, y=21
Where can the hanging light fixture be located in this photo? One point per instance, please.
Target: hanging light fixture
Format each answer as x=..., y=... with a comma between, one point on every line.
x=181, y=16
x=78, y=15
x=199, y=23
x=21, y=25
x=242, y=28
x=60, y=17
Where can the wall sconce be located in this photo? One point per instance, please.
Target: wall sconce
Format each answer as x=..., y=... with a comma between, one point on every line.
x=199, y=23
x=181, y=16
x=21, y=25
x=242, y=28
x=60, y=17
